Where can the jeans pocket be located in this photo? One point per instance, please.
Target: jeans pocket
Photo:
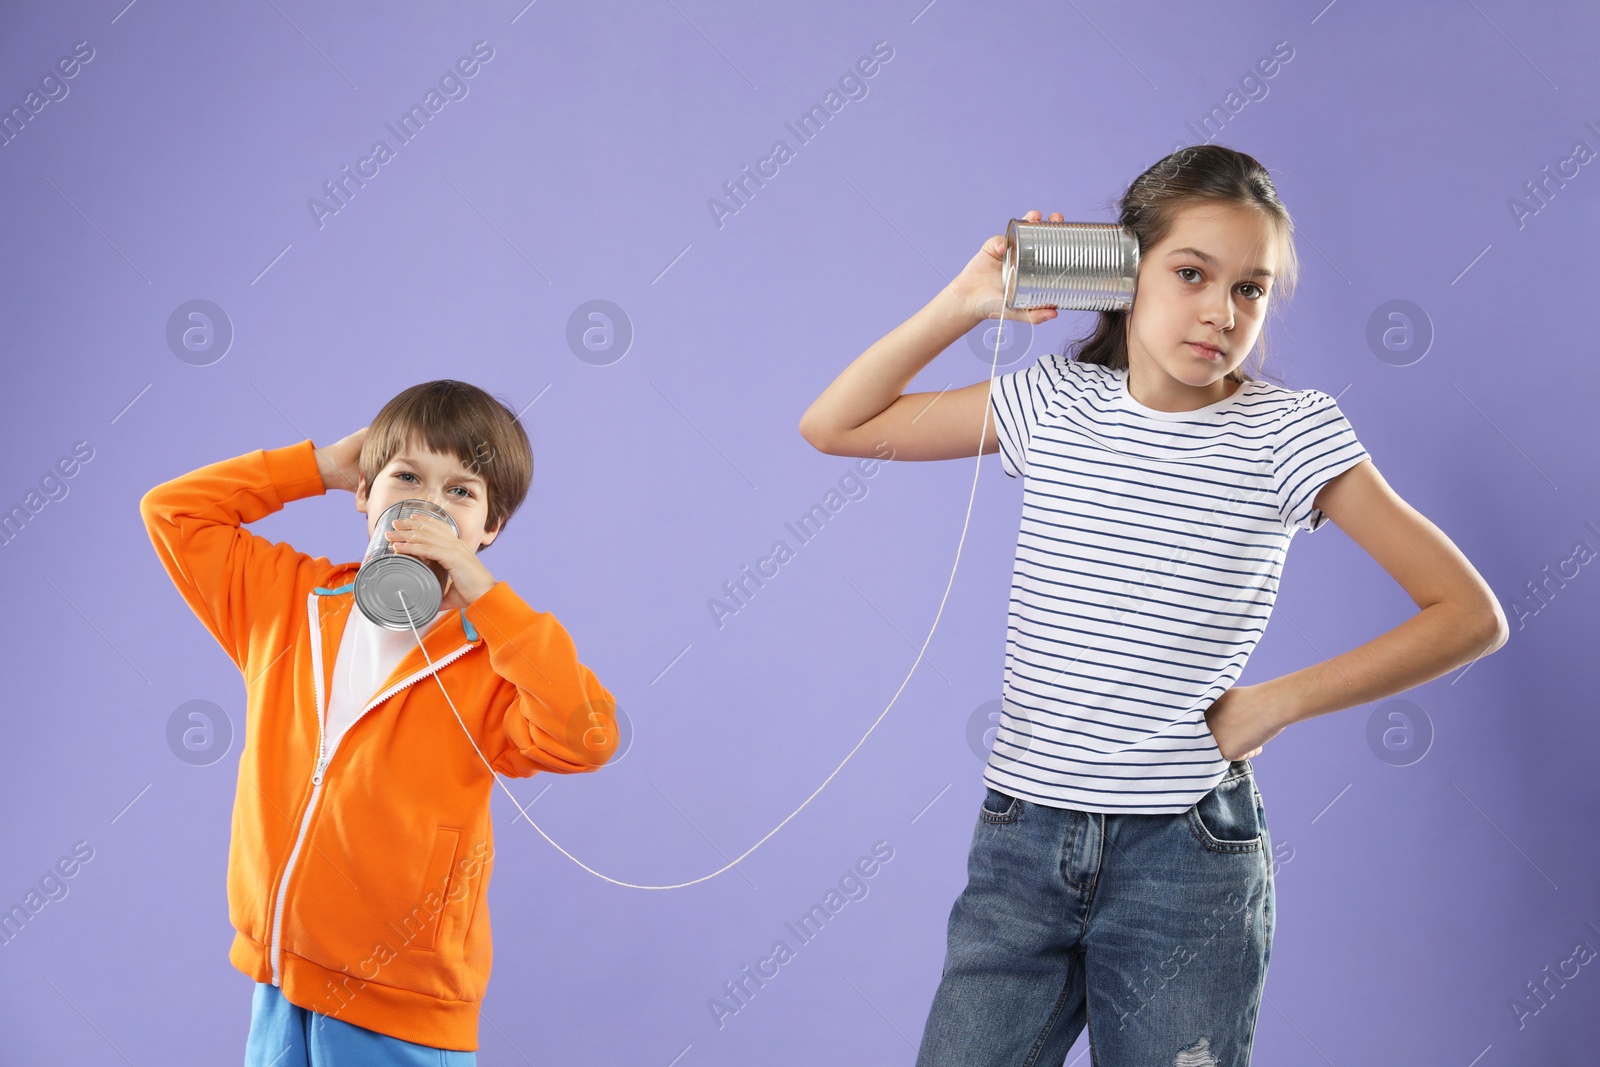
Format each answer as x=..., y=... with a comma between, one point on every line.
x=1226, y=819
x=998, y=807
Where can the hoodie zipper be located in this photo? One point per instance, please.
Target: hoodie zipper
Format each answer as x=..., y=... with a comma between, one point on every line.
x=323, y=759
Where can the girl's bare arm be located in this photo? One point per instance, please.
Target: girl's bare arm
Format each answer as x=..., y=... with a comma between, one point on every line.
x=866, y=404
x=1458, y=619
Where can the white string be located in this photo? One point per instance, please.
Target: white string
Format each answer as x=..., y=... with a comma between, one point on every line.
x=972, y=496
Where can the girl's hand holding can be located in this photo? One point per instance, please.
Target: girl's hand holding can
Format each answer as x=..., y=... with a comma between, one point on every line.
x=980, y=287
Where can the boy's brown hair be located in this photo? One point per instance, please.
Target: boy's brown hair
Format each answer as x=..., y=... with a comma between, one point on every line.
x=455, y=418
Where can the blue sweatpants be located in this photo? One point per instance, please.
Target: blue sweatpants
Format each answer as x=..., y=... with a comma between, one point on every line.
x=285, y=1035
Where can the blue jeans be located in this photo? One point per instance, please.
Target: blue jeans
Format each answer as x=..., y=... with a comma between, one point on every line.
x=286, y=1035
x=1152, y=930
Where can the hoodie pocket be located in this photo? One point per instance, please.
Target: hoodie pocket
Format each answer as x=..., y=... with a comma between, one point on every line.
x=436, y=890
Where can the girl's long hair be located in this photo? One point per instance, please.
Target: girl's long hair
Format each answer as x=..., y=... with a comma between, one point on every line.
x=1205, y=173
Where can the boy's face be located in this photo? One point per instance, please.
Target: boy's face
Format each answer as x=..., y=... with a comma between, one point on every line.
x=418, y=473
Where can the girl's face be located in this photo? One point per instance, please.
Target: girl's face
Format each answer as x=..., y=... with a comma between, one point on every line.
x=1206, y=284
x=418, y=472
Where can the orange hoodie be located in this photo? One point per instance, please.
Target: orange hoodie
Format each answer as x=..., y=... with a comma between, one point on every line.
x=357, y=878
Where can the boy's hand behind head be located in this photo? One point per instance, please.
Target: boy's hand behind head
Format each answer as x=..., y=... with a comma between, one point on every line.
x=340, y=462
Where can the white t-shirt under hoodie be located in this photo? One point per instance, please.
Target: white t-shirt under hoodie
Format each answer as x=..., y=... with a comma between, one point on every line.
x=1146, y=567
x=368, y=654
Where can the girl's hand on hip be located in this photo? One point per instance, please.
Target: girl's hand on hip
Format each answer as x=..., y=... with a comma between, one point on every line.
x=1242, y=722
x=980, y=289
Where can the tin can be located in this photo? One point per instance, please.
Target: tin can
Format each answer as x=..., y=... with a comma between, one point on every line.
x=1073, y=266
x=391, y=582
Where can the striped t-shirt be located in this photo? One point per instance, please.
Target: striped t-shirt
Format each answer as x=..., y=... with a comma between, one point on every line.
x=1146, y=568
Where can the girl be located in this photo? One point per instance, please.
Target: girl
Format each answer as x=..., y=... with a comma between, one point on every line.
x=1120, y=873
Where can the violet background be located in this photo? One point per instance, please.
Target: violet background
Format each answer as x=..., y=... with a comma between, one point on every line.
x=1415, y=901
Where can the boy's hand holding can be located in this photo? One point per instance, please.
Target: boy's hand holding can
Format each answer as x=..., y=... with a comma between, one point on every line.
x=432, y=539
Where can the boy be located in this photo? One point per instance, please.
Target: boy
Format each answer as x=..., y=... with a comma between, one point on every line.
x=361, y=844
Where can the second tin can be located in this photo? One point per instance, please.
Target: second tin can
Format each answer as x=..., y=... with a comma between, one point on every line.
x=390, y=582
x=1073, y=266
